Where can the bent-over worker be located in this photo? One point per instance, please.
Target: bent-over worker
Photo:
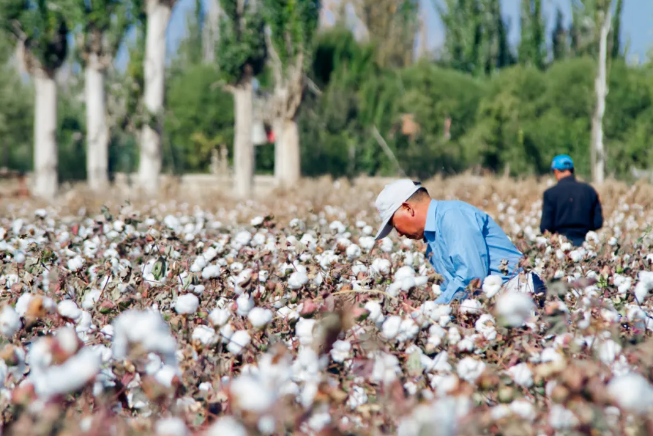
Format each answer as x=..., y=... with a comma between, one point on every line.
x=464, y=243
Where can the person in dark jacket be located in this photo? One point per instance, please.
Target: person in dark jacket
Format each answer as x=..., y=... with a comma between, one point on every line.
x=570, y=208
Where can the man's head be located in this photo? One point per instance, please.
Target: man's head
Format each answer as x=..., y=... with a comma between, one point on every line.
x=562, y=166
x=403, y=205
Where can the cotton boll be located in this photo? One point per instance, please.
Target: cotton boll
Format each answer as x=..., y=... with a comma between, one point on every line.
x=304, y=331
x=613, y=241
x=219, y=317
x=624, y=285
x=187, y=304
x=340, y=351
x=470, y=306
x=608, y=351
x=298, y=279
x=632, y=392
x=259, y=317
x=407, y=330
x=404, y=272
x=170, y=427
x=454, y=336
x=9, y=322
x=386, y=368
x=68, y=309
x=367, y=243
x=381, y=267
x=250, y=395
x=407, y=284
x=91, y=298
x=226, y=332
x=485, y=325
x=146, y=328
x=576, y=255
x=492, y=285
x=561, y=418
x=353, y=252
x=357, y=397
x=241, y=239
x=566, y=246
x=592, y=237
x=238, y=341
x=376, y=315
x=66, y=378
x=210, y=272
x=205, y=335
x=391, y=327
x=226, y=425
x=470, y=369
x=514, y=308
x=467, y=344
x=76, y=263
x=245, y=303
x=386, y=245
x=524, y=409
x=522, y=375
x=236, y=267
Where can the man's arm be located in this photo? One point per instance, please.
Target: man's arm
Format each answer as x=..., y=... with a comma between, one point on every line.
x=598, y=213
x=467, y=250
x=548, y=214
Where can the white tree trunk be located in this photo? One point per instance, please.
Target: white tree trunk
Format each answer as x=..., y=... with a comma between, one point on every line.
x=243, y=147
x=287, y=165
x=211, y=32
x=158, y=16
x=45, y=142
x=600, y=85
x=97, y=133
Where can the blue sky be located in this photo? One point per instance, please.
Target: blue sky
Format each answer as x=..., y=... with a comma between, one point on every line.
x=636, y=28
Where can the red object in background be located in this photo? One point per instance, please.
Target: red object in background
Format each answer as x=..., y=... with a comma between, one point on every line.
x=270, y=135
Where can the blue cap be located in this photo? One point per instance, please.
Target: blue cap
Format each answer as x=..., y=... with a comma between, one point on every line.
x=562, y=162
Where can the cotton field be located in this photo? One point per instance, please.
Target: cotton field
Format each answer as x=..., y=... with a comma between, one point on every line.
x=283, y=316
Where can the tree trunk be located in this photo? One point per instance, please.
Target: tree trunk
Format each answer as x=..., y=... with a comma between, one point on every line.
x=600, y=85
x=211, y=32
x=243, y=147
x=158, y=16
x=287, y=165
x=45, y=142
x=97, y=133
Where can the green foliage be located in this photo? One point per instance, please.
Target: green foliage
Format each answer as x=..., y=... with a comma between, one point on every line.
x=476, y=36
x=559, y=37
x=292, y=25
x=101, y=23
x=391, y=27
x=195, y=133
x=41, y=26
x=16, y=114
x=532, y=45
x=242, y=51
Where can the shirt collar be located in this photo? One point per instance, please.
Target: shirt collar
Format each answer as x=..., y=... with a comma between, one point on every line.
x=429, y=226
x=569, y=178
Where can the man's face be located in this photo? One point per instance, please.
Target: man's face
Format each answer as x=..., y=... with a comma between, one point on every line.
x=406, y=222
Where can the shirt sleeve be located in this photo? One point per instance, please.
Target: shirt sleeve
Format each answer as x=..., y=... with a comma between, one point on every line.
x=548, y=214
x=467, y=250
x=598, y=213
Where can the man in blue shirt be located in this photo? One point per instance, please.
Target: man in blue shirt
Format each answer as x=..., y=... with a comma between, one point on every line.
x=464, y=243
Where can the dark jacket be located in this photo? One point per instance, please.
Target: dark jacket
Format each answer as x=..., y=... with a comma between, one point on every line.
x=572, y=209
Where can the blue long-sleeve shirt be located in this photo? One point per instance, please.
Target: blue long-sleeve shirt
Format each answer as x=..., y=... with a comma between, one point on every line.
x=464, y=243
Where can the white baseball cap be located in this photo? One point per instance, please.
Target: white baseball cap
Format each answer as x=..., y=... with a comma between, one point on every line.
x=391, y=199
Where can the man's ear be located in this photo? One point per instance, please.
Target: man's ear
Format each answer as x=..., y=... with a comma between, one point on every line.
x=409, y=208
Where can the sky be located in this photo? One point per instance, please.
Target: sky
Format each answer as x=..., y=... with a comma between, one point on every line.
x=636, y=27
